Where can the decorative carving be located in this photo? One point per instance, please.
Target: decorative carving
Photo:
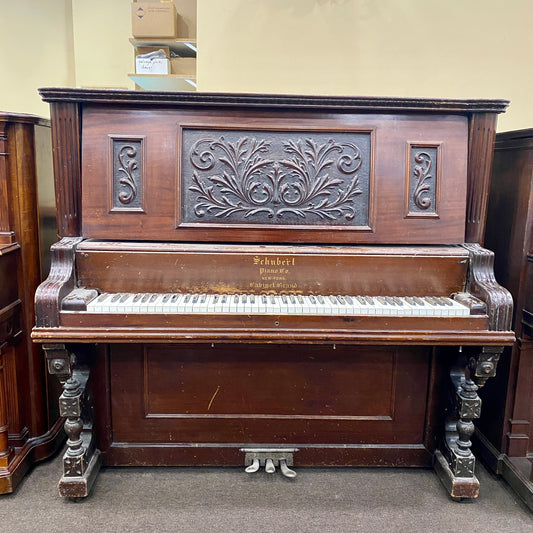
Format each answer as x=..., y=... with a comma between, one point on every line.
x=127, y=174
x=61, y=280
x=482, y=284
x=81, y=459
x=422, y=181
x=422, y=173
x=70, y=407
x=473, y=368
x=277, y=178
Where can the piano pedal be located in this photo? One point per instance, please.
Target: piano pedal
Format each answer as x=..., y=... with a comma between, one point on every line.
x=285, y=470
x=254, y=467
x=269, y=466
x=270, y=458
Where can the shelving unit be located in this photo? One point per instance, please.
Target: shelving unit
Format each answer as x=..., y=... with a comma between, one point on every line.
x=182, y=47
x=162, y=82
x=170, y=82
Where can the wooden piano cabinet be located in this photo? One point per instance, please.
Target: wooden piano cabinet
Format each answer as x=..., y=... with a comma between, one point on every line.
x=506, y=430
x=30, y=429
x=267, y=194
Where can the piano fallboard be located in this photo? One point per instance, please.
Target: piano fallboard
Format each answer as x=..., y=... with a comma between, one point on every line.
x=271, y=269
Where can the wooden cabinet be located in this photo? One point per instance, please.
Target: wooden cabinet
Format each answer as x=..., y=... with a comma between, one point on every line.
x=506, y=427
x=29, y=429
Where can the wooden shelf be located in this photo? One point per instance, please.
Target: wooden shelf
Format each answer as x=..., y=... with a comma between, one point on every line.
x=182, y=47
x=162, y=82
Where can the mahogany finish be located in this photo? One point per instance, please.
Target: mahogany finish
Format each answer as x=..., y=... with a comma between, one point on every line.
x=270, y=194
x=29, y=427
x=506, y=437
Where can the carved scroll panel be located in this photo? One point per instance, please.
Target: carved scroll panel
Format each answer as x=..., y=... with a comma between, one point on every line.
x=126, y=174
x=422, y=180
x=275, y=178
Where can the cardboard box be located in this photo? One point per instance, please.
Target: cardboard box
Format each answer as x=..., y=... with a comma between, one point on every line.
x=186, y=18
x=154, y=19
x=151, y=66
x=185, y=66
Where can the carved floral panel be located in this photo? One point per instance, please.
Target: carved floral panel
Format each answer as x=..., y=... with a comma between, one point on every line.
x=275, y=178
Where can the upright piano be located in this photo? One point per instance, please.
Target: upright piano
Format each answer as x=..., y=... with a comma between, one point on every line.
x=271, y=281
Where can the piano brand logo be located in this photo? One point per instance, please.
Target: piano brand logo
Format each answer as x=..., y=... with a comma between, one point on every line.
x=274, y=261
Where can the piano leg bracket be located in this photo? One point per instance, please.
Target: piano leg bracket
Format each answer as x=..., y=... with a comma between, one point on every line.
x=459, y=488
x=77, y=487
x=269, y=458
x=455, y=463
x=81, y=461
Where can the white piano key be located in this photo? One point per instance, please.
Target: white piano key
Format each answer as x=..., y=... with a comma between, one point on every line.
x=284, y=304
x=295, y=306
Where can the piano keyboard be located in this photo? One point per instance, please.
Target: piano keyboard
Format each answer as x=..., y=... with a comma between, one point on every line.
x=284, y=304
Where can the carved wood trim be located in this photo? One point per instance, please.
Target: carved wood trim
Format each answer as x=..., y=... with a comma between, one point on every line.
x=59, y=283
x=344, y=103
x=66, y=124
x=480, y=154
x=482, y=284
x=423, y=180
x=126, y=173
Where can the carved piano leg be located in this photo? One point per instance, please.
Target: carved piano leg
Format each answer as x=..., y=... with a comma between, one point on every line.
x=81, y=461
x=455, y=464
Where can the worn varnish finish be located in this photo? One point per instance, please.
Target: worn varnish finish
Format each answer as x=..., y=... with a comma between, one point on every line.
x=29, y=428
x=168, y=192
x=506, y=436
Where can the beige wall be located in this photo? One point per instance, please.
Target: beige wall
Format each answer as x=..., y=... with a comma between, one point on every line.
x=104, y=55
x=457, y=48
x=36, y=46
x=63, y=43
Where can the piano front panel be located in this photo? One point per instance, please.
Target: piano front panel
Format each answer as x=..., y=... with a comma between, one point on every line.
x=279, y=395
x=198, y=175
x=228, y=269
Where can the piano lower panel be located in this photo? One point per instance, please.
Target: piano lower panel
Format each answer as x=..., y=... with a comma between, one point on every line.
x=195, y=404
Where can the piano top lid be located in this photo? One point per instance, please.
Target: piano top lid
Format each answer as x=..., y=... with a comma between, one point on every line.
x=280, y=101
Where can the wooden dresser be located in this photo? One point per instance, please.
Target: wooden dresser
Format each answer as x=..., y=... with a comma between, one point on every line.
x=505, y=434
x=29, y=430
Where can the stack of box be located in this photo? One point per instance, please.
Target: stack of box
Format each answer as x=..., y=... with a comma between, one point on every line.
x=157, y=20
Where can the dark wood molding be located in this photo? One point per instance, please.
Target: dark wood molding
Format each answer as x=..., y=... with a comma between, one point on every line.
x=342, y=103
